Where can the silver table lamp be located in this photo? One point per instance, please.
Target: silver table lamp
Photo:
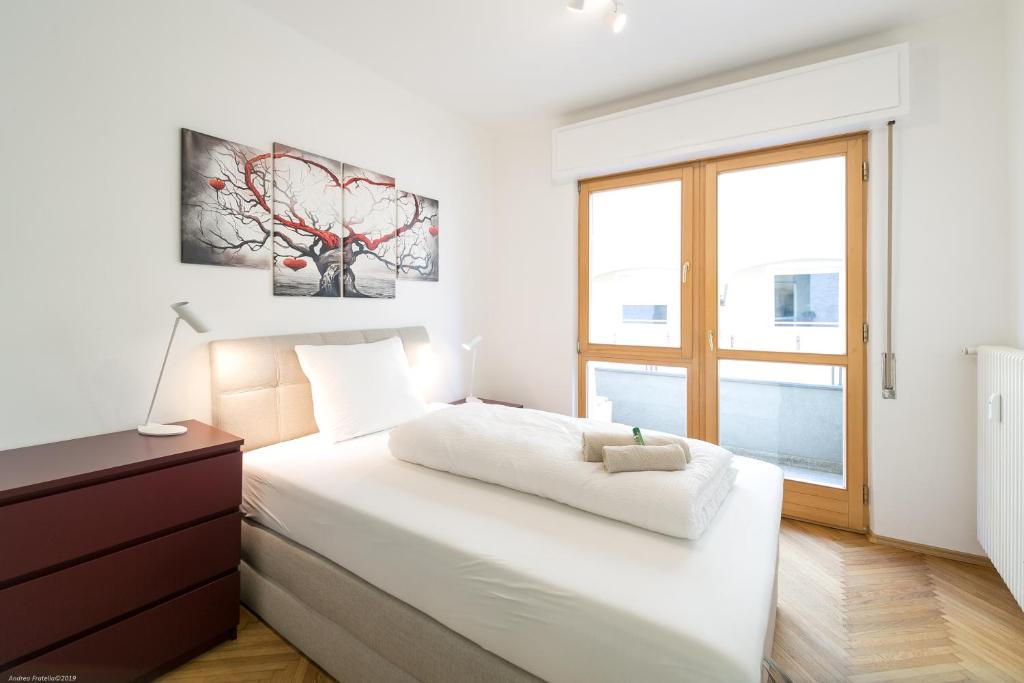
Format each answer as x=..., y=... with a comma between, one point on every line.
x=184, y=312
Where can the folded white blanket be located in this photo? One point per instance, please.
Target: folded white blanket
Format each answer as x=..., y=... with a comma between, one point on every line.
x=542, y=454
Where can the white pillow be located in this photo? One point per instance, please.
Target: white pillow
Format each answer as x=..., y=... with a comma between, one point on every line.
x=360, y=388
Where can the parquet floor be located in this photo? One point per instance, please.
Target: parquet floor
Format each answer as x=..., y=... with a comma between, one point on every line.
x=849, y=610
x=258, y=654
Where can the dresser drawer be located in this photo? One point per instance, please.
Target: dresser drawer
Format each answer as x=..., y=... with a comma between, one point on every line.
x=43, y=533
x=37, y=613
x=148, y=642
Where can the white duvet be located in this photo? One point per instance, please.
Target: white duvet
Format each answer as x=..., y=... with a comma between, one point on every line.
x=541, y=453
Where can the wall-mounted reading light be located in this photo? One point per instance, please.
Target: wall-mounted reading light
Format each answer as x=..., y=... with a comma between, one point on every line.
x=470, y=346
x=616, y=17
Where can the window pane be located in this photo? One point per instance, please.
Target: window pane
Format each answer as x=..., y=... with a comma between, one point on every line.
x=789, y=414
x=635, y=265
x=645, y=396
x=782, y=257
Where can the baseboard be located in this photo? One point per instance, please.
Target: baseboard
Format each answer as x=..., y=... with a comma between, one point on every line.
x=804, y=520
x=930, y=550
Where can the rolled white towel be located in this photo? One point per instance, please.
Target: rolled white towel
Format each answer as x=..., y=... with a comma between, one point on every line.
x=636, y=458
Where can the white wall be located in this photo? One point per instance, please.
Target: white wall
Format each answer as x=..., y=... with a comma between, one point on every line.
x=530, y=351
x=953, y=273
x=1015, y=92
x=94, y=94
x=953, y=279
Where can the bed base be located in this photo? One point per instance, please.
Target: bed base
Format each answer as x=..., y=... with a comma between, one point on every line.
x=350, y=628
x=357, y=632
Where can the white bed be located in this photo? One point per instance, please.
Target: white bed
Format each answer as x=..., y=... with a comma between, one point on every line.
x=564, y=594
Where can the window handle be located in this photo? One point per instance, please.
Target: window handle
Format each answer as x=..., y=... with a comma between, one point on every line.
x=686, y=271
x=711, y=340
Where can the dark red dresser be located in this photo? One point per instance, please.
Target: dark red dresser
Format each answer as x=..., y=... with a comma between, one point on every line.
x=118, y=553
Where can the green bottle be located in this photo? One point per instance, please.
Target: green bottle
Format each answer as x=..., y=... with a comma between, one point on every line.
x=638, y=437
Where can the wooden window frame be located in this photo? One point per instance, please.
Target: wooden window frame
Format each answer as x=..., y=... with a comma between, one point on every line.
x=688, y=300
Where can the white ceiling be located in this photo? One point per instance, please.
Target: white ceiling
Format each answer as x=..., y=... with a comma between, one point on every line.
x=500, y=60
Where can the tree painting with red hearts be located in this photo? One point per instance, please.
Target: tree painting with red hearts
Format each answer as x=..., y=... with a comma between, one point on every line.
x=225, y=221
x=307, y=223
x=326, y=229
x=418, y=244
x=371, y=233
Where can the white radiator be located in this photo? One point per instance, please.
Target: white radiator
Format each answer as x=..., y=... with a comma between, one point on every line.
x=1001, y=462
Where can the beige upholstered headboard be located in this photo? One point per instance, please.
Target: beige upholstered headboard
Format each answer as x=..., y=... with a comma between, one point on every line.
x=261, y=394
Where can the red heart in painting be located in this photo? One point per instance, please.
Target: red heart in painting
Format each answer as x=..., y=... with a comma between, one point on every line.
x=216, y=183
x=294, y=263
x=432, y=230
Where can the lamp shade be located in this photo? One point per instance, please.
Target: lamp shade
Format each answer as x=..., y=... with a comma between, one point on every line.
x=188, y=314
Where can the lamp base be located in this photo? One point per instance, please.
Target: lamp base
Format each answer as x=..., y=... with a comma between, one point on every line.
x=152, y=429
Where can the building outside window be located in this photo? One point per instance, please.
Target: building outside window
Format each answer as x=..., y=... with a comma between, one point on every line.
x=807, y=300
x=650, y=314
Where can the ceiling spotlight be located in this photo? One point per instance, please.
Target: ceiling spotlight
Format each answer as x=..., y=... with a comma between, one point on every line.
x=616, y=17
x=575, y=4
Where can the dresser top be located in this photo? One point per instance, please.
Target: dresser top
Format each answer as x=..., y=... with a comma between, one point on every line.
x=49, y=468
